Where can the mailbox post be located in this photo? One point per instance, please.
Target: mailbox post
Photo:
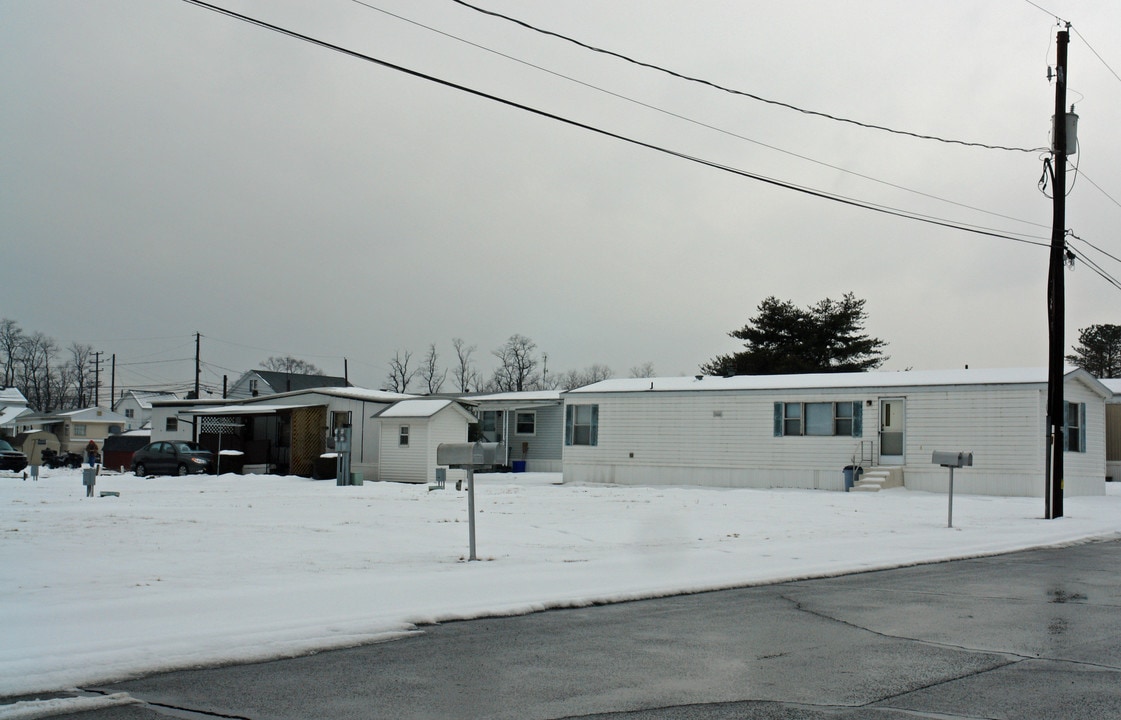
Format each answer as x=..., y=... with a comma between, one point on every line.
x=468, y=456
x=951, y=460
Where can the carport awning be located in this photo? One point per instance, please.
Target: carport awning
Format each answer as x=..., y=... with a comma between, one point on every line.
x=246, y=409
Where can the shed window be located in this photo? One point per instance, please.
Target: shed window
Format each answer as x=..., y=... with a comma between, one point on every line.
x=819, y=419
x=581, y=425
x=403, y=436
x=172, y=424
x=525, y=423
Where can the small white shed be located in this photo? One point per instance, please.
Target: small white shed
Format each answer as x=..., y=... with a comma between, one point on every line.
x=410, y=432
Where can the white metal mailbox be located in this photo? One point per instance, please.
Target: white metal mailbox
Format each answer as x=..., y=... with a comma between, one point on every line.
x=952, y=459
x=467, y=455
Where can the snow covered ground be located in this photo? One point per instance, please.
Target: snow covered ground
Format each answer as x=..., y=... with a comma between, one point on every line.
x=176, y=573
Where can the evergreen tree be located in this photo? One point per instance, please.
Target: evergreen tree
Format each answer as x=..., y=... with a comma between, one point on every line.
x=784, y=339
x=1098, y=351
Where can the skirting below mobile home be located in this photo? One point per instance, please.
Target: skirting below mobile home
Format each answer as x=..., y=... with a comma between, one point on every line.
x=800, y=431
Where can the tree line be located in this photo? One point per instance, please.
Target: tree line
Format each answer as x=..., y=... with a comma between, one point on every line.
x=780, y=338
x=50, y=377
x=521, y=367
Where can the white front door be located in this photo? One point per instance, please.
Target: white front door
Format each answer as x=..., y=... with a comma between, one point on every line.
x=892, y=426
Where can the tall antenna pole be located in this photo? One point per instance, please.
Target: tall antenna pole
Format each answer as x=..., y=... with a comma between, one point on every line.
x=1056, y=290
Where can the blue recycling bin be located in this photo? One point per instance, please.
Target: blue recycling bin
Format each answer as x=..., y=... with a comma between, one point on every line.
x=519, y=466
x=852, y=474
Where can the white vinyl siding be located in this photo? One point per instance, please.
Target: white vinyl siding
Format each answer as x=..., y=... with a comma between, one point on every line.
x=727, y=438
x=416, y=462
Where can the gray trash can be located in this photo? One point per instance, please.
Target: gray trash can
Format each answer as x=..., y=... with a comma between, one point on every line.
x=852, y=474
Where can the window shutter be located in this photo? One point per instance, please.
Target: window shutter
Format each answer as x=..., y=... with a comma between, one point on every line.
x=595, y=426
x=778, y=419
x=857, y=419
x=1066, y=427
x=1082, y=427
x=568, y=425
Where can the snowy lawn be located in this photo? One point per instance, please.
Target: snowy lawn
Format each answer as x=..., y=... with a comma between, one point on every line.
x=177, y=573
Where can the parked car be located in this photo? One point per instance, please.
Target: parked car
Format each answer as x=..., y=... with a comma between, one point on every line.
x=10, y=458
x=171, y=457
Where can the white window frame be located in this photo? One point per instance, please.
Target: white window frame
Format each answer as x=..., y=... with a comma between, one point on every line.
x=403, y=436
x=532, y=414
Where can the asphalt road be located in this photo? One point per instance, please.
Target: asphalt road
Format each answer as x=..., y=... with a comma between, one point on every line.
x=1027, y=635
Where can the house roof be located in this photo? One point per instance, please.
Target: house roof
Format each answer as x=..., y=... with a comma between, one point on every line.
x=1114, y=385
x=12, y=396
x=518, y=399
x=289, y=382
x=828, y=381
x=145, y=398
x=10, y=413
x=421, y=408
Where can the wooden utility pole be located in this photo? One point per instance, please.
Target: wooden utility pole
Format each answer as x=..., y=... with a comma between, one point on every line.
x=198, y=363
x=1056, y=290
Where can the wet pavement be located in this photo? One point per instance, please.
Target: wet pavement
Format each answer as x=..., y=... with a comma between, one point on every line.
x=1034, y=634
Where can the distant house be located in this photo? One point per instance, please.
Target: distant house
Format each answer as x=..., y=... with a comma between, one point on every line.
x=136, y=405
x=800, y=431
x=283, y=432
x=1113, y=431
x=75, y=428
x=411, y=430
x=257, y=383
x=529, y=427
x=12, y=405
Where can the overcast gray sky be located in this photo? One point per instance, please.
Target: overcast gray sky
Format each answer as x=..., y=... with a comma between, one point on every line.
x=165, y=170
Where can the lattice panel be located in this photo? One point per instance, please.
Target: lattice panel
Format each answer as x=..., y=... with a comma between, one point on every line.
x=307, y=439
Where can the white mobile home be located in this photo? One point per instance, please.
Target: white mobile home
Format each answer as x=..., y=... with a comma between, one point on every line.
x=801, y=431
x=528, y=426
x=410, y=432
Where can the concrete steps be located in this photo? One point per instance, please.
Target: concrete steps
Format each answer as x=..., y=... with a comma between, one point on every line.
x=879, y=478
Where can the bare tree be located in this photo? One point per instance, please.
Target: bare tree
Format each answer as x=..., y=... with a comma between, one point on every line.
x=399, y=374
x=517, y=366
x=430, y=371
x=289, y=364
x=76, y=382
x=645, y=370
x=579, y=378
x=465, y=374
x=11, y=339
x=33, y=375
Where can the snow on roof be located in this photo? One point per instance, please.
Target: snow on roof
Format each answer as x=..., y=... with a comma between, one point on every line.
x=815, y=381
x=1114, y=385
x=529, y=396
x=414, y=408
x=9, y=414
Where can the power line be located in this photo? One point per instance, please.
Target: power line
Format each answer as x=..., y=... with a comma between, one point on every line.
x=1107, y=67
x=1097, y=269
x=696, y=122
x=743, y=93
x=650, y=146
